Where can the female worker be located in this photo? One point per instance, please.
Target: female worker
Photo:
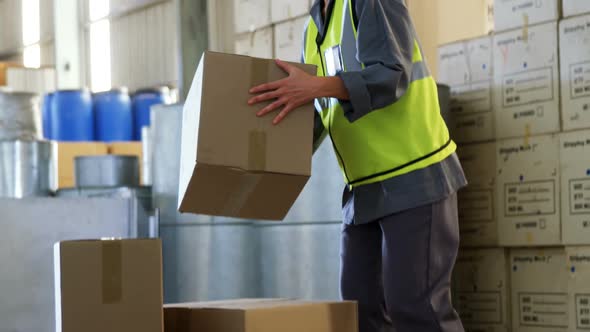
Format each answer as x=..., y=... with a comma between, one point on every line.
x=377, y=100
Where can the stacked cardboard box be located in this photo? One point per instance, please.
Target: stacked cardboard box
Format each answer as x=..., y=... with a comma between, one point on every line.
x=575, y=7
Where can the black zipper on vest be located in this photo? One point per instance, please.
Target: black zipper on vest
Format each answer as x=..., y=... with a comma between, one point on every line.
x=330, y=117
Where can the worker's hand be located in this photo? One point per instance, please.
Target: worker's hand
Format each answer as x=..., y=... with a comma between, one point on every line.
x=297, y=89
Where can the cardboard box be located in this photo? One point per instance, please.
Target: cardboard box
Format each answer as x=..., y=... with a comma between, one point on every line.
x=234, y=163
x=575, y=72
x=575, y=7
x=128, y=149
x=4, y=66
x=539, y=282
x=477, y=202
x=526, y=82
x=481, y=289
x=251, y=15
x=467, y=68
x=578, y=262
x=108, y=285
x=528, y=191
x=575, y=187
x=282, y=10
x=262, y=316
x=257, y=44
x=288, y=39
x=65, y=154
x=511, y=14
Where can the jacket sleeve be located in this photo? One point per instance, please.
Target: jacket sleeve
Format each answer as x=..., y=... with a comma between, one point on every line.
x=385, y=44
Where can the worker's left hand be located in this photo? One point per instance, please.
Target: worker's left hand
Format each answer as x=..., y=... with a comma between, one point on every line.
x=297, y=89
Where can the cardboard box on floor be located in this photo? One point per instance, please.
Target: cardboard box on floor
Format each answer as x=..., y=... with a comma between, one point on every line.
x=478, y=222
x=234, y=163
x=108, y=285
x=528, y=197
x=540, y=291
x=481, y=289
x=261, y=315
x=65, y=153
x=128, y=149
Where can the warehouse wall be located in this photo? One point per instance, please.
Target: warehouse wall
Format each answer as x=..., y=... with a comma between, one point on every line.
x=144, y=39
x=11, y=31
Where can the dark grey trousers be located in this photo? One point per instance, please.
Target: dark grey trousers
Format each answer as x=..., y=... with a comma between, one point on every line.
x=399, y=269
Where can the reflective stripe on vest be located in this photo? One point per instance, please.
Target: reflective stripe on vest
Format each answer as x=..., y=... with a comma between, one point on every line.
x=405, y=136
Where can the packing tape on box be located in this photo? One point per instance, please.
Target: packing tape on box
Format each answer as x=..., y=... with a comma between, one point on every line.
x=112, y=272
x=244, y=190
x=525, y=27
x=256, y=150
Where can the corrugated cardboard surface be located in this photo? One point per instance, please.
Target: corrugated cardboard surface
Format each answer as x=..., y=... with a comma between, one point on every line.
x=510, y=14
x=575, y=187
x=575, y=71
x=467, y=68
x=265, y=315
x=540, y=295
x=477, y=203
x=481, y=289
x=528, y=191
x=233, y=163
x=109, y=285
x=66, y=153
x=575, y=7
x=128, y=149
x=526, y=81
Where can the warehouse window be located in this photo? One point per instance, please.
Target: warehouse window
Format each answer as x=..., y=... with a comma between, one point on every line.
x=31, y=33
x=100, y=45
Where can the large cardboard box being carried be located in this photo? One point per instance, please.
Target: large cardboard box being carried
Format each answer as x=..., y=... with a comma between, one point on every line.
x=575, y=187
x=575, y=71
x=467, y=68
x=540, y=295
x=477, y=203
x=261, y=315
x=108, y=285
x=528, y=191
x=511, y=14
x=481, y=289
x=526, y=82
x=65, y=154
x=234, y=163
x=575, y=7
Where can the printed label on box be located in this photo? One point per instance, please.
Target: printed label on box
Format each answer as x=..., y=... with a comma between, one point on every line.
x=543, y=309
x=471, y=99
x=528, y=87
x=480, y=307
x=531, y=198
x=580, y=80
x=476, y=205
x=579, y=196
x=583, y=311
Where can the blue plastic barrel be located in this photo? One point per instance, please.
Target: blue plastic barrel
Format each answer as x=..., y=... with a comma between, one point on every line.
x=46, y=115
x=113, y=120
x=142, y=101
x=71, y=116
